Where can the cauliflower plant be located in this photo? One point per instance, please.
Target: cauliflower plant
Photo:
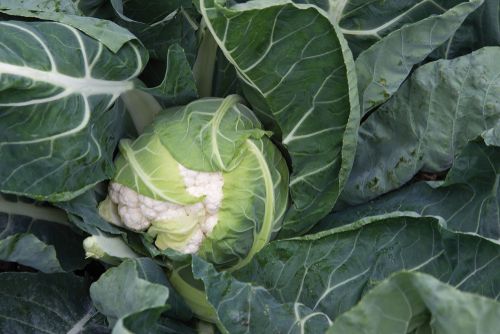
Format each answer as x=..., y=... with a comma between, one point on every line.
x=202, y=179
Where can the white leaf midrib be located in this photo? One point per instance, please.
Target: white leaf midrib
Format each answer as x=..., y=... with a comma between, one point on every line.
x=85, y=85
x=77, y=328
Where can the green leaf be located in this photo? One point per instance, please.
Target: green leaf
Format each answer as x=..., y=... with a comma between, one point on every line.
x=178, y=91
x=383, y=67
x=254, y=205
x=148, y=168
x=109, y=249
x=480, y=29
x=57, y=133
x=296, y=58
x=248, y=308
x=57, y=6
x=205, y=135
x=366, y=22
x=175, y=232
x=38, y=236
x=144, y=321
x=303, y=284
x=432, y=116
x=108, y=33
x=41, y=303
x=467, y=201
x=159, y=25
x=85, y=206
x=492, y=136
x=126, y=289
x=329, y=272
x=225, y=79
x=101, y=9
x=417, y=303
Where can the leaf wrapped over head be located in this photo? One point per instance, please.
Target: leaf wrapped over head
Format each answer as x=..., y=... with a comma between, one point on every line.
x=206, y=134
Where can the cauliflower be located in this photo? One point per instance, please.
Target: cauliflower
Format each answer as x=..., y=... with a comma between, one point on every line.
x=137, y=211
x=168, y=183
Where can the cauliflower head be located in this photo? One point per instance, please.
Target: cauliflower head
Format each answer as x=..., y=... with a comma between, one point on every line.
x=202, y=179
x=137, y=212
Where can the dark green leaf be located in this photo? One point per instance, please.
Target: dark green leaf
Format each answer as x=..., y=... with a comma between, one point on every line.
x=85, y=207
x=480, y=29
x=41, y=303
x=295, y=57
x=144, y=321
x=65, y=11
x=365, y=22
x=424, y=127
x=329, y=272
x=382, y=68
x=57, y=131
x=178, y=86
x=38, y=236
x=417, y=303
x=160, y=24
x=467, y=201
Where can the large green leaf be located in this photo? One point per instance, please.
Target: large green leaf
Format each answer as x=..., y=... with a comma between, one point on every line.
x=134, y=286
x=468, y=201
x=383, y=67
x=424, y=127
x=41, y=303
x=301, y=285
x=57, y=133
x=38, y=236
x=365, y=22
x=329, y=272
x=249, y=308
x=295, y=57
x=65, y=11
x=58, y=6
x=417, y=303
